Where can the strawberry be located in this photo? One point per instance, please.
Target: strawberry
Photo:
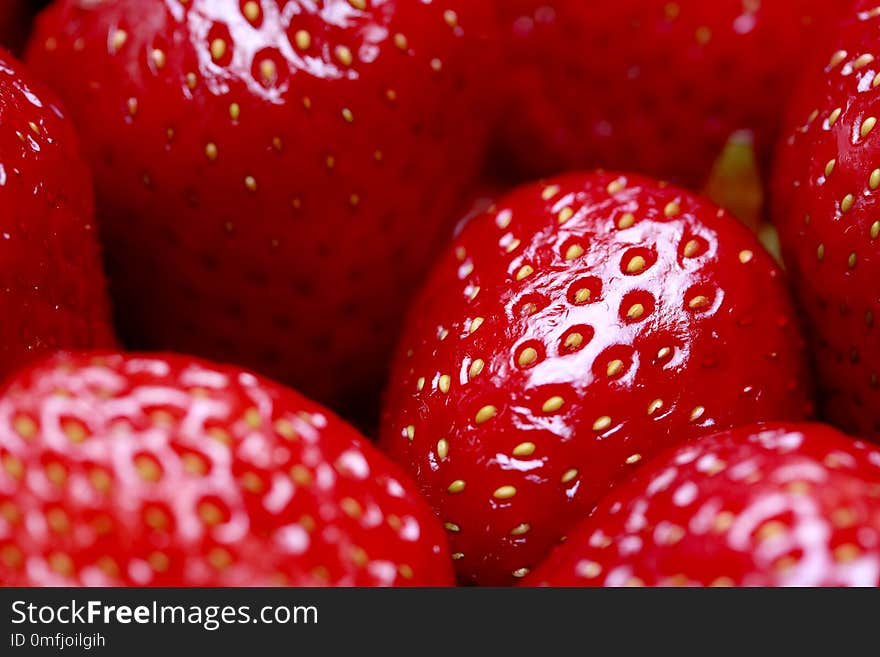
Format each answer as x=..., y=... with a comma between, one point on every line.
x=52, y=288
x=649, y=85
x=766, y=505
x=272, y=174
x=572, y=331
x=826, y=199
x=169, y=471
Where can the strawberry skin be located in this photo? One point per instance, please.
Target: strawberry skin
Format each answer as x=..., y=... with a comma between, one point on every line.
x=766, y=505
x=826, y=197
x=14, y=23
x=648, y=85
x=126, y=469
x=272, y=175
x=573, y=330
x=52, y=288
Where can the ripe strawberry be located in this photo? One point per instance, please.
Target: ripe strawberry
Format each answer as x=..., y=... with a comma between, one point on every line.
x=649, y=85
x=272, y=174
x=52, y=288
x=572, y=331
x=169, y=471
x=766, y=505
x=826, y=187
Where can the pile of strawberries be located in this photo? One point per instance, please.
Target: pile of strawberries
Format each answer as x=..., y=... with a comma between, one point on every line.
x=533, y=247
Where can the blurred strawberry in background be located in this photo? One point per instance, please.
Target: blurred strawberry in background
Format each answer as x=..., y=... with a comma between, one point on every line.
x=273, y=177
x=52, y=288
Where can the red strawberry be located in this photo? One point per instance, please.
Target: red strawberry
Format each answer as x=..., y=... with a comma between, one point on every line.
x=826, y=211
x=272, y=174
x=767, y=505
x=574, y=330
x=52, y=288
x=650, y=85
x=169, y=471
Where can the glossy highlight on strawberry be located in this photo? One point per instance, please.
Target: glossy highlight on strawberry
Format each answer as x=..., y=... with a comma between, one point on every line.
x=767, y=505
x=273, y=175
x=52, y=288
x=161, y=470
x=653, y=86
x=572, y=331
x=826, y=190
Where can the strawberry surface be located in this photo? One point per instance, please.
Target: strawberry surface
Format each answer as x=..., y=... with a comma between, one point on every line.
x=826, y=204
x=647, y=85
x=52, y=288
x=572, y=331
x=142, y=470
x=272, y=175
x=772, y=505
x=15, y=18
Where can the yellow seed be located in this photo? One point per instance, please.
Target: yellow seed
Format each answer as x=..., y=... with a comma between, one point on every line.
x=672, y=209
x=527, y=357
x=746, y=256
x=234, y=111
x=251, y=183
x=868, y=125
x=456, y=486
x=635, y=311
x=569, y=475
x=158, y=58
x=252, y=10
x=698, y=302
x=626, y=221
x=520, y=572
x=691, y=248
x=553, y=404
x=119, y=39
x=615, y=367
x=574, y=251
x=347, y=115
x=655, y=406
x=211, y=151
x=451, y=527
x=520, y=529
x=268, y=70
x=616, y=186
x=602, y=423
x=875, y=230
x=847, y=203
x=24, y=426
x=582, y=295
x=344, y=55
x=444, y=383
x=697, y=413
x=820, y=252
x=302, y=39
x=442, y=448
x=410, y=432
x=635, y=458
x=218, y=49
x=549, y=192
x=832, y=118
x=636, y=264
x=450, y=17
x=837, y=58
x=874, y=180
x=830, y=167
x=851, y=261
x=574, y=340
x=524, y=272
x=400, y=41
x=524, y=449
x=485, y=414
x=504, y=492
x=476, y=367
x=476, y=323
x=565, y=214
